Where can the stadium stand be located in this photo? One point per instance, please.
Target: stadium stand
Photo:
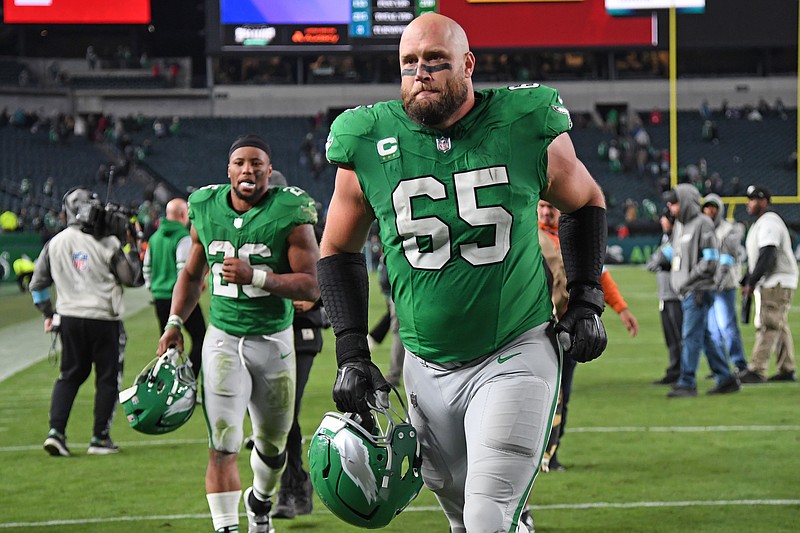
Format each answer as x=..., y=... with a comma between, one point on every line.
x=197, y=155
x=194, y=156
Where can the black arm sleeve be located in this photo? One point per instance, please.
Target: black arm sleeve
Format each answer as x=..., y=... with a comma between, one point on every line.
x=583, y=235
x=767, y=257
x=344, y=288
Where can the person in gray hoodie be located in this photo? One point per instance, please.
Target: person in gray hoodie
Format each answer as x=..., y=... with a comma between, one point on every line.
x=722, y=320
x=694, y=265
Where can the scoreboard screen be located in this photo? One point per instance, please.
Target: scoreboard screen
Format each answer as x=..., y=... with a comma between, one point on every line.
x=315, y=25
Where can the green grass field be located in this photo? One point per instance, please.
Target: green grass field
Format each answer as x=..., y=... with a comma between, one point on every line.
x=637, y=462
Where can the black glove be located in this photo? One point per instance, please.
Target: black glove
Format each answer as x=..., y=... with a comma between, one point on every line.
x=580, y=331
x=356, y=380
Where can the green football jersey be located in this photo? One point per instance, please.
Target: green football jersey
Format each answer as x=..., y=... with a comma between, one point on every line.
x=457, y=215
x=257, y=236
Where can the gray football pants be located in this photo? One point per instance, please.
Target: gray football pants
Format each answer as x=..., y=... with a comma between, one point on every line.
x=483, y=426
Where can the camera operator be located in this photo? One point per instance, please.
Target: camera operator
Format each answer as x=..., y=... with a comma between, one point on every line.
x=89, y=262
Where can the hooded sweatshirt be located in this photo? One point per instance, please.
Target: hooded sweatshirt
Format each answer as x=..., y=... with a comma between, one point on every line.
x=694, y=242
x=729, y=237
x=165, y=257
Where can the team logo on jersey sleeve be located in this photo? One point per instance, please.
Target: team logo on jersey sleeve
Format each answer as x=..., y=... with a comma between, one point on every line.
x=443, y=144
x=388, y=149
x=564, y=111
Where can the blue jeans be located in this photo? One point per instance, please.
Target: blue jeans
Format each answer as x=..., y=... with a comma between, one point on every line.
x=722, y=322
x=696, y=337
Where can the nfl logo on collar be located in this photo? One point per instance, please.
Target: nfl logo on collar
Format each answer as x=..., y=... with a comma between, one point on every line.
x=443, y=144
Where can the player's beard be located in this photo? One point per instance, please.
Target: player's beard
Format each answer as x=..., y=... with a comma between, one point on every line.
x=431, y=112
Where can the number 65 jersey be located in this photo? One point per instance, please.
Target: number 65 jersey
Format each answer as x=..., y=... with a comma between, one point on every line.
x=457, y=215
x=258, y=237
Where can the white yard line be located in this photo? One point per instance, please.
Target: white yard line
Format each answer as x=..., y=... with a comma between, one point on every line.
x=630, y=429
x=428, y=509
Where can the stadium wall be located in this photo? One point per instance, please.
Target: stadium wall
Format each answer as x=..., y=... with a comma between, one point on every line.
x=304, y=100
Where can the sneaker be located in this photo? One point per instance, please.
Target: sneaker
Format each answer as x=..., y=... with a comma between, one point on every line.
x=104, y=446
x=258, y=520
x=783, y=376
x=750, y=377
x=284, y=505
x=682, y=392
x=304, y=498
x=728, y=386
x=526, y=518
x=56, y=444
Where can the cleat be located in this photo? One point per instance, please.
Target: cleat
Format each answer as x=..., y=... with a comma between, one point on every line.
x=258, y=519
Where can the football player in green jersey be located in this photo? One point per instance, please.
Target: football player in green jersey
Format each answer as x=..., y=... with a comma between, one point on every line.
x=453, y=177
x=258, y=247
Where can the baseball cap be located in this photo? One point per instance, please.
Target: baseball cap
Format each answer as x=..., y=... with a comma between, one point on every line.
x=756, y=192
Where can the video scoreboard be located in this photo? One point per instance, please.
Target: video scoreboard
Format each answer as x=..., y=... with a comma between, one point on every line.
x=316, y=25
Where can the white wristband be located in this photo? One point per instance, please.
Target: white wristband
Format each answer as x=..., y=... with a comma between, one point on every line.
x=174, y=321
x=259, y=278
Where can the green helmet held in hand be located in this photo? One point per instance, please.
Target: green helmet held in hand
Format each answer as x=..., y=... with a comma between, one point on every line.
x=162, y=398
x=366, y=477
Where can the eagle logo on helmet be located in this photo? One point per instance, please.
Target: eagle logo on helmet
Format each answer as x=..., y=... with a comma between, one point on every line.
x=162, y=398
x=355, y=461
x=366, y=471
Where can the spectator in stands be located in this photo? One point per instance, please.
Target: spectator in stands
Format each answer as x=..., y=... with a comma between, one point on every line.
x=159, y=130
x=780, y=109
x=710, y=131
x=669, y=302
x=149, y=212
x=91, y=57
x=165, y=257
x=722, y=320
x=772, y=277
x=705, y=110
x=88, y=273
x=172, y=74
x=694, y=263
x=175, y=126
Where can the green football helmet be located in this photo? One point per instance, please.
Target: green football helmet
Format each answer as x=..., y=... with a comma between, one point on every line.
x=162, y=398
x=366, y=477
